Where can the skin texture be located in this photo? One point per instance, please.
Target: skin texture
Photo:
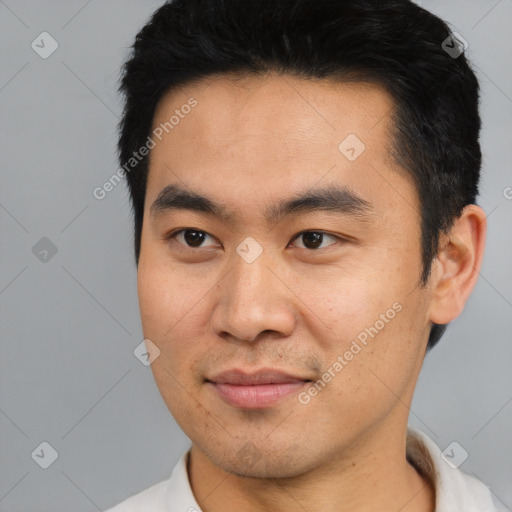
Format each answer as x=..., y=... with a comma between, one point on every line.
x=247, y=144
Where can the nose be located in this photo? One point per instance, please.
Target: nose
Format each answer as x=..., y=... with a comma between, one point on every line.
x=253, y=300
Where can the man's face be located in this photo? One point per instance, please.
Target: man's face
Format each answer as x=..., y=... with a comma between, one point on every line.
x=339, y=305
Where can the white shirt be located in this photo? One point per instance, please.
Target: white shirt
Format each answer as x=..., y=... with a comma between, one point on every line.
x=455, y=491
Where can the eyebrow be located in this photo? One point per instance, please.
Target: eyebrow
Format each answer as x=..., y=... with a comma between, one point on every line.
x=339, y=200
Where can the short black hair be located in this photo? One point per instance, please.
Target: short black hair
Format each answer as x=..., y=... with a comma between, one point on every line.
x=392, y=43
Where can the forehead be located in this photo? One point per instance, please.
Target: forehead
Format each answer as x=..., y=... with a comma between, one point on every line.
x=255, y=137
x=233, y=108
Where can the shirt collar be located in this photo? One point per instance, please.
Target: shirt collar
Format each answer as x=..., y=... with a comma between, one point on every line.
x=454, y=489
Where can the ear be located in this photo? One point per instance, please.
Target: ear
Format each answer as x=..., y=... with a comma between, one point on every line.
x=457, y=265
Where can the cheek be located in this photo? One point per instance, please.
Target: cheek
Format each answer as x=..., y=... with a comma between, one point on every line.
x=337, y=303
x=173, y=306
x=370, y=372
x=167, y=296
x=170, y=305
x=368, y=316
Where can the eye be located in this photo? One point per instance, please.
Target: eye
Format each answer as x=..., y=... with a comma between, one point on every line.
x=195, y=238
x=314, y=239
x=189, y=237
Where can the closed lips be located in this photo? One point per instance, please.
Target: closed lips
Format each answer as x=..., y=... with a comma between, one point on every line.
x=261, y=377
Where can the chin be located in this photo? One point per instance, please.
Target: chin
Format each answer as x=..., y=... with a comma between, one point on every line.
x=250, y=462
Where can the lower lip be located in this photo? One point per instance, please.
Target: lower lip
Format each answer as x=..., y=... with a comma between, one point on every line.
x=256, y=397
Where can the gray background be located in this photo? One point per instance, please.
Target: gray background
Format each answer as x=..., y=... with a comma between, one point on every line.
x=68, y=375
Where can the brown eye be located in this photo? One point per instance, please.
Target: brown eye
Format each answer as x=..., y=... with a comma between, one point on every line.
x=192, y=238
x=314, y=239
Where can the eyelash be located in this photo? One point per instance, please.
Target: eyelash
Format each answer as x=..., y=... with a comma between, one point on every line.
x=176, y=232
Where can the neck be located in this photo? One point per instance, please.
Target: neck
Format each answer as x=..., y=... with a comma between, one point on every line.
x=372, y=474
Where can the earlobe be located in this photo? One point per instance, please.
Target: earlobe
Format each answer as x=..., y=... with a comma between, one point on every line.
x=457, y=265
